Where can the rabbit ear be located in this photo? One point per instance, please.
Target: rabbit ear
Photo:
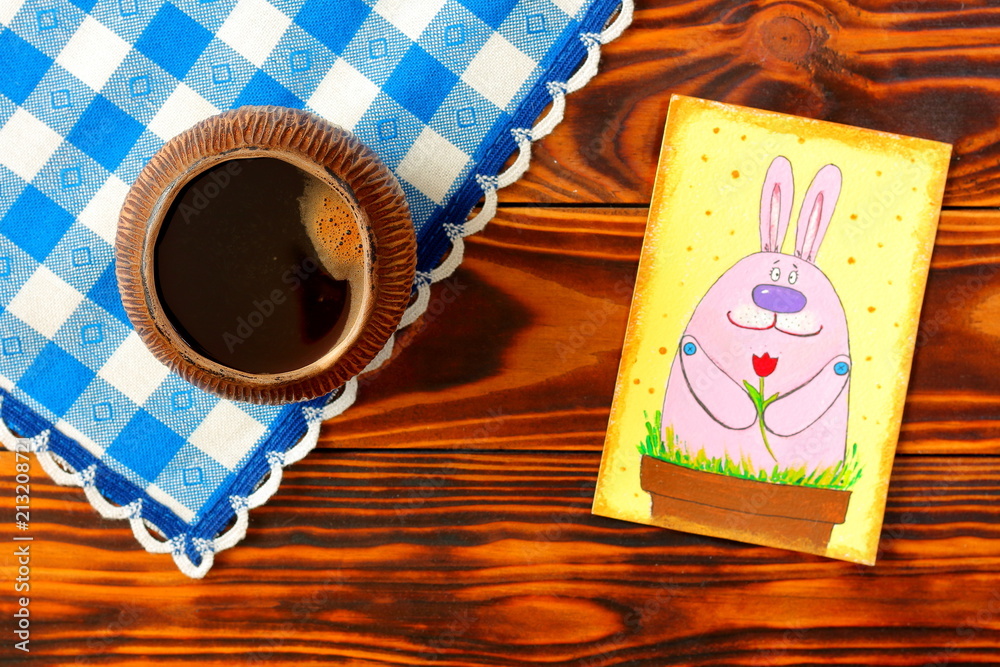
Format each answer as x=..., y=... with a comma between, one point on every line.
x=776, y=204
x=817, y=210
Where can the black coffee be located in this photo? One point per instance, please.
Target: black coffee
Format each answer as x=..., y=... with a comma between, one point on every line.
x=238, y=274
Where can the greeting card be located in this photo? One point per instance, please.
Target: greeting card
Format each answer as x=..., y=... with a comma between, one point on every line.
x=772, y=329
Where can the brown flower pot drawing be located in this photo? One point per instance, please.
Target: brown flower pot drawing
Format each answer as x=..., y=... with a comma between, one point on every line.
x=780, y=515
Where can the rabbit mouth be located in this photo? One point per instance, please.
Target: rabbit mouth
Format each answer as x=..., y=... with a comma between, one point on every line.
x=772, y=325
x=800, y=335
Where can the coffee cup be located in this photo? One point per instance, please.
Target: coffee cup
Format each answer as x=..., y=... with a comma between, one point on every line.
x=265, y=254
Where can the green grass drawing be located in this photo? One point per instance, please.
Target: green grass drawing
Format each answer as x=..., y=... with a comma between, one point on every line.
x=842, y=476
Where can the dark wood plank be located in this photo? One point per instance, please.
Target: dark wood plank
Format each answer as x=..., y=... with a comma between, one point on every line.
x=521, y=349
x=491, y=557
x=926, y=69
x=485, y=558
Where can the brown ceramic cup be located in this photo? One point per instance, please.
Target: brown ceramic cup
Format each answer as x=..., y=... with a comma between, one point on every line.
x=265, y=255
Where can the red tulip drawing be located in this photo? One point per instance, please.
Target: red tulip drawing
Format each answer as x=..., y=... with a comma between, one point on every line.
x=763, y=366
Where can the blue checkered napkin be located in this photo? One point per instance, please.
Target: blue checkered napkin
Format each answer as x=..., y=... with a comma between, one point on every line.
x=89, y=89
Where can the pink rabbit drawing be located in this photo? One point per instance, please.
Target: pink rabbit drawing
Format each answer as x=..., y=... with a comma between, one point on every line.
x=762, y=372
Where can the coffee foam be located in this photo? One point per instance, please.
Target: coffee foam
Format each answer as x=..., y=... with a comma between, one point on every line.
x=333, y=223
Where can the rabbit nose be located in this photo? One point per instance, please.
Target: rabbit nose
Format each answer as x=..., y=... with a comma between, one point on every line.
x=778, y=298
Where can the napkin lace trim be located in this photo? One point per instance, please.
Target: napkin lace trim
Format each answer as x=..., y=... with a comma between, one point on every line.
x=63, y=474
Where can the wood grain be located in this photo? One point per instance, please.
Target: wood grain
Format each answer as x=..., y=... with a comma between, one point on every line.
x=925, y=69
x=520, y=350
x=470, y=541
x=494, y=558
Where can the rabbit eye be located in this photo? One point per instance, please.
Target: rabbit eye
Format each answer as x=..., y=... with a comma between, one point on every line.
x=793, y=277
x=775, y=274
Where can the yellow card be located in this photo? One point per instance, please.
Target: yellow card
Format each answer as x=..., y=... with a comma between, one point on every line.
x=765, y=365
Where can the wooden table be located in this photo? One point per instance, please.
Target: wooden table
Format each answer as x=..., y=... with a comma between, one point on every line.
x=446, y=518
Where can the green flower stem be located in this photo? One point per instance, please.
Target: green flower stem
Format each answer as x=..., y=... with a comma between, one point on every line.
x=757, y=396
x=763, y=431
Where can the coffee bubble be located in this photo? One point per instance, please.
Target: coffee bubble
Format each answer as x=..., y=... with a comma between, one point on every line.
x=334, y=222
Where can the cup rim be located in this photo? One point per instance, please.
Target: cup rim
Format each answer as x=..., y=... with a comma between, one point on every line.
x=319, y=148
